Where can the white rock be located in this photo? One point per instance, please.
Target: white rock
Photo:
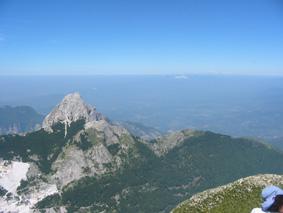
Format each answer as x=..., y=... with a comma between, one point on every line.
x=11, y=174
x=71, y=108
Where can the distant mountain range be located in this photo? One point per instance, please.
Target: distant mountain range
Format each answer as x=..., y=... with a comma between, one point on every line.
x=19, y=119
x=22, y=119
x=213, y=103
x=140, y=130
x=79, y=161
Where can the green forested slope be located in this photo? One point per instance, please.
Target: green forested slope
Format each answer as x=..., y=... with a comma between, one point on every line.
x=146, y=183
x=156, y=184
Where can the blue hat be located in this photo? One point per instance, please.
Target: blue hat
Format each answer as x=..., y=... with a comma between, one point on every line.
x=268, y=195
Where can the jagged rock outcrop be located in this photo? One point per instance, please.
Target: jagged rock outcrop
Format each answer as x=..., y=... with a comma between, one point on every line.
x=139, y=130
x=74, y=162
x=72, y=108
x=85, y=145
x=163, y=144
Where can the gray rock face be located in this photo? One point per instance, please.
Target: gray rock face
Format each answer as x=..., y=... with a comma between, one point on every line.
x=140, y=130
x=74, y=163
x=98, y=147
x=162, y=145
x=72, y=108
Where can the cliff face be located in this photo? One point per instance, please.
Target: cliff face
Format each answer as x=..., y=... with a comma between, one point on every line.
x=99, y=148
x=71, y=109
x=75, y=142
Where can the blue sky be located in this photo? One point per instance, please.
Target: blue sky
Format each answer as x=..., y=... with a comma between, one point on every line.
x=141, y=37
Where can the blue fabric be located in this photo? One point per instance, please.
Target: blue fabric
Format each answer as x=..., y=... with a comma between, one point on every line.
x=268, y=195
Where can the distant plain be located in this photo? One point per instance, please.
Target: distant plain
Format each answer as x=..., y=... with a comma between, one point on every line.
x=247, y=106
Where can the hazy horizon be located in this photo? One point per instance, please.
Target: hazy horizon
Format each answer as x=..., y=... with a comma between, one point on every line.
x=175, y=97
x=234, y=105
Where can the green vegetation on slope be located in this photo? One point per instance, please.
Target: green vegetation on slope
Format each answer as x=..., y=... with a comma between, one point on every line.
x=240, y=196
x=145, y=182
x=155, y=184
x=40, y=147
x=234, y=200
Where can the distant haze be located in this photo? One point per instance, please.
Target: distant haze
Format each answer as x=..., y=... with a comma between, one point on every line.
x=235, y=105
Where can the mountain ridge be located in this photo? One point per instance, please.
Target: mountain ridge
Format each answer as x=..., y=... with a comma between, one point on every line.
x=95, y=165
x=71, y=109
x=19, y=119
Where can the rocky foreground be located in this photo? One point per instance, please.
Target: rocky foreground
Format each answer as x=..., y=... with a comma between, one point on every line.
x=240, y=196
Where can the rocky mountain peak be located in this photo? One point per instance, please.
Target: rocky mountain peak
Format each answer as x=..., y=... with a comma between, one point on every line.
x=71, y=109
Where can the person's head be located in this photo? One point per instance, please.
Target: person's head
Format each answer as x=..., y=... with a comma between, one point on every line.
x=273, y=199
x=277, y=205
